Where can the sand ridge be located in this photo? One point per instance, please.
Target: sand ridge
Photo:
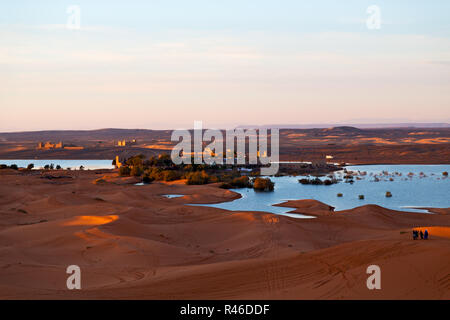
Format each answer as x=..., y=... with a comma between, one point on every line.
x=132, y=242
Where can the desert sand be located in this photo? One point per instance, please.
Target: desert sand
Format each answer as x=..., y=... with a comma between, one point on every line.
x=132, y=242
x=345, y=144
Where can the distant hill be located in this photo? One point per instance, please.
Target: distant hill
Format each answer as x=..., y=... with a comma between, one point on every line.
x=74, y=135
x=356, y=125
x=345, y=143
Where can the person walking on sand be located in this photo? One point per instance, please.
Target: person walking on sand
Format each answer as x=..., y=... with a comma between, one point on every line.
x=415, y=234
x=426, y=234
x=421, y=234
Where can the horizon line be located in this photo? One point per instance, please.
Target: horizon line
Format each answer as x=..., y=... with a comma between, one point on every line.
x=275, y=126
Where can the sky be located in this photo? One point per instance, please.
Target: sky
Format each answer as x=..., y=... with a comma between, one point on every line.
x=165, y=64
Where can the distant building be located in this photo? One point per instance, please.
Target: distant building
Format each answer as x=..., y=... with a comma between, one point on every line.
x=49, y=145
x=123, y=143
x=118, y=164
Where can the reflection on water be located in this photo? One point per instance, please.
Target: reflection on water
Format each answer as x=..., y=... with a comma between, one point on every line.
x=410, y=185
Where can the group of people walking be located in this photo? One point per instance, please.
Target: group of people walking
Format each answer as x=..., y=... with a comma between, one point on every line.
x=423, y=235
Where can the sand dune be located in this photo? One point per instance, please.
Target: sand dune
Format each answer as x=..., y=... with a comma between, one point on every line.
x=132, y=242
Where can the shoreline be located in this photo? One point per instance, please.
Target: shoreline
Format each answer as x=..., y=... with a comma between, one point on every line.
x=132, y=242
x=364, y=163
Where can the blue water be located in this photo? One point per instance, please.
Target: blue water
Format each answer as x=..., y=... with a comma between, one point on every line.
x=73, y=164
x=428, y=190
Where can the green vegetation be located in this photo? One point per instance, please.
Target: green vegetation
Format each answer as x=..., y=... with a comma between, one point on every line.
x=124, y=171
x=158, y=174
x=13, y=166
x=136, y=171
x=161, y=168
x=317, y=181
x=146, y=179
x=241, y=182
x=170, y=175
x=198, y=177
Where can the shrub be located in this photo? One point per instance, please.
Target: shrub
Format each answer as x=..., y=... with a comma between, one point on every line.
x=263, y=184
x=124, y=171
x=3, y=166
x=30, y=166
x=157, y=174
x=135, y=160
x=241, y=182
x=316, y=181
x=14, y=167
x=170, y=175
x=147, y=179
x=213, y=179
x=58, y=167
x=164, y=160
x=136, y=171
x=388, y=194
x=197, y=177
x=340, y=195
x=226, y=185
x=152, y=173
x=361, y=197
x=304, y=181
x=445, y=174
x=329, y=182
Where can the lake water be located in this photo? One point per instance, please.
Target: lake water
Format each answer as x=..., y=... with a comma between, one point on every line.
x=73, y=164
x=431, y=189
